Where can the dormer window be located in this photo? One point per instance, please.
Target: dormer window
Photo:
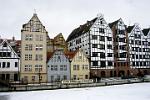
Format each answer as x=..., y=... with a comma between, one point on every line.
x=5, y=44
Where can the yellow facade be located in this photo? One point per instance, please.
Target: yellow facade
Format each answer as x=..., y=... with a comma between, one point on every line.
x=33, y=51
x=80, y=66
x=57, y=43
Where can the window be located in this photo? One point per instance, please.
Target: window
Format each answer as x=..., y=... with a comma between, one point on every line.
x=103, y=64
x=102, y=38
x=65, y=77
x=94, y=54
x=94, y=37
x=28, y=56
x=58, y=77
x=4, y=65
x=86, y=76
x=29, y=37
x=52, y=78
x=109, y=46
x=102, y=46
x=55, y=67
x=28, y=68
x=38, y=68
x=109, y=63
x=95, y=63
x=33, y=78
x=39, y=38
x=122, y=32
x=77, y=67
x=65, y=67
x=52, y=67
x=109, y=54
x=109, y=38
x=94, y=46
x=8, y=64
x=39, y=47
x=102, y=55
x=16, y=64
x=131, y=42
x=5, y=54
x=101, y=30
x=61, y=67
x=38, y=57
x=137, y=57
x=28, y=47
x=74, y=67
x=122, y=55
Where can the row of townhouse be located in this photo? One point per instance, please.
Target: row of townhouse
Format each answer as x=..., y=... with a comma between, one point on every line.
x=113, y=49
x=47, y=60
x=67, y=66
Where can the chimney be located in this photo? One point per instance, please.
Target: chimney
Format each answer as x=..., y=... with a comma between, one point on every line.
x=13, y=38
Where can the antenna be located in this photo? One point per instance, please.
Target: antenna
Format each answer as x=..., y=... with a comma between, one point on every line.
x=34, y=11
x=100, y=14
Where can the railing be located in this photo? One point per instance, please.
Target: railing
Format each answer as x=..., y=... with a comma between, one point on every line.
x=75, y=84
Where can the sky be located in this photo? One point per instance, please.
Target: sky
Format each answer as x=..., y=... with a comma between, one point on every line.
x=62, y=16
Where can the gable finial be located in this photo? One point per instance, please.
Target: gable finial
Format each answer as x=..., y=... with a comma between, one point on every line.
x=100, y=14
x=34, y=11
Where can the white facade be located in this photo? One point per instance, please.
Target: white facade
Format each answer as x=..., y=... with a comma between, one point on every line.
x=9, y=62
x=139, y=48
x=95, y=38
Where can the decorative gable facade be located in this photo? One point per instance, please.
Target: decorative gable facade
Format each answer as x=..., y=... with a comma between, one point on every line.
x=58, y=66
x=79, y=65
x=96, y=39
x=33, y=51
x=139, y=50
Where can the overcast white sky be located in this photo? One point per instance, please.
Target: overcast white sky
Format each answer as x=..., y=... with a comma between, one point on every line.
x=65, y=15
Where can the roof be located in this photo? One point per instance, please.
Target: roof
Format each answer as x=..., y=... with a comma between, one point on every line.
x=113, y=23
x=130, y=28
x=49, y=55
x=81, y=29
x=34, y=25
x=71, y=54
x=146, y=31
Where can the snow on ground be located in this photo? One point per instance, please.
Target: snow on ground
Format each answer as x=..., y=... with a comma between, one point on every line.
x=138, y=91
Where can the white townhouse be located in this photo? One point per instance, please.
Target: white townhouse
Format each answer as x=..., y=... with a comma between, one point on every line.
x=9, y=62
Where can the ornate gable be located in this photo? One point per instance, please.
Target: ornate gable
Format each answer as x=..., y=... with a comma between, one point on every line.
x=34, y=25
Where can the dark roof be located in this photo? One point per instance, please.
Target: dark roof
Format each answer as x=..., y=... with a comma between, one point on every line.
x=70, y=55
x=145, y=31
x=130, y=28
x=113, y=23
x=49, y=55
x=81, y=30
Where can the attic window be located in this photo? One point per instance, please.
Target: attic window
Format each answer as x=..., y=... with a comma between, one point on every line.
x=5, y=44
